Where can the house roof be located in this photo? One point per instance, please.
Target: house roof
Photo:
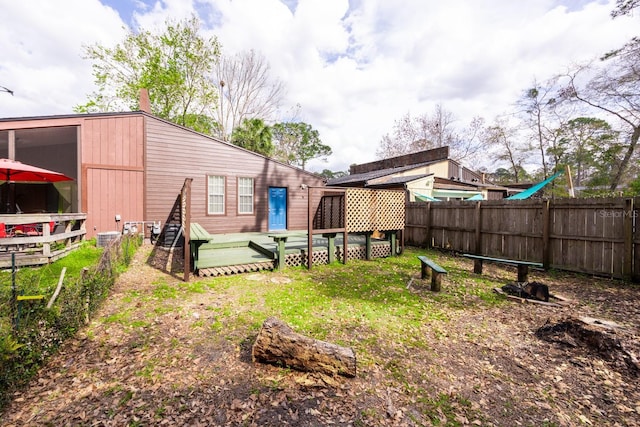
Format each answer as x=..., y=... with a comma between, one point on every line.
x=143, y=113
x=74, y=115
x=448, y=184
x=366, y=176
x=397, y=182
x=404, y=179
x=424, y=156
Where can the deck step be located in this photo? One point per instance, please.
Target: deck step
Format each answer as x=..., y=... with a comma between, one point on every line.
x=235, y=269
x=229, y=256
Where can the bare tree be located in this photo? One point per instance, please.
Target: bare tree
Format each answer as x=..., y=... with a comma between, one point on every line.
x=537, y=107
x=246, y=91
x=436, y=130
x=503, y=137
x=614, y=88
x=469, y=145
x=624, y=7
x=427, y=131
x=390, y=146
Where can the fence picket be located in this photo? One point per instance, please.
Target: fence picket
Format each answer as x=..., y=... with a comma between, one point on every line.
x=595, y=236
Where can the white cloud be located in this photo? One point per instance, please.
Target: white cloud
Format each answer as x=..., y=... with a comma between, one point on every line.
x=354, y=66
x=41, y=44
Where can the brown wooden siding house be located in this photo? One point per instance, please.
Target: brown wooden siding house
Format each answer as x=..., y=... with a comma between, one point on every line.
x=133, y=165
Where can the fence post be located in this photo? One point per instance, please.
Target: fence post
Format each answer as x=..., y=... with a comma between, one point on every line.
x=627, y=224
x=428, y=226
x=478, y=249
x=546, y=231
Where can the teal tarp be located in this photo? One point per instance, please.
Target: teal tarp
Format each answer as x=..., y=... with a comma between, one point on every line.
x=534, y=189
x=475, y=198
x=423, y=198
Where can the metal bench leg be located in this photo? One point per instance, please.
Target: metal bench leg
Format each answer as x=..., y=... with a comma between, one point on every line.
x=523, y=273
x=477, y=266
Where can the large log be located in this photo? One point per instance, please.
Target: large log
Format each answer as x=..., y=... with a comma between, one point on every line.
x=278, y=344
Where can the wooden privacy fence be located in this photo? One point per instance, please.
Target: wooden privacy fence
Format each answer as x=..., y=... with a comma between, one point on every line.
x=595, y=236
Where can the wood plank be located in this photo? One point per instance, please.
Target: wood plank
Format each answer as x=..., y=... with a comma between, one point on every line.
x=525, y=300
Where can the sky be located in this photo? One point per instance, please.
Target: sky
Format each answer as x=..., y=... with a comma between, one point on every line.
x=354, y=66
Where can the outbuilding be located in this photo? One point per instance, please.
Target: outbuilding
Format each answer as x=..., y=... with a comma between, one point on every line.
x=130, y=167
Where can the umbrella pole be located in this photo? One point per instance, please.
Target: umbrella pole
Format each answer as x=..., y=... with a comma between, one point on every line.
x=6, y=199
x=11, y=202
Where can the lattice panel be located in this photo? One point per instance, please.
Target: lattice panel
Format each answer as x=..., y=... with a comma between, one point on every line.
x=357, y=252
x=369, y=210
x=360, y=210
x=298, y=259
x=390, y=214
x=380, y=251
x=330, y=212
x=295, y=260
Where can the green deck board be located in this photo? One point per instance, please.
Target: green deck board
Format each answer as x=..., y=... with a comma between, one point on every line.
x=234, y=248
x=229, y=256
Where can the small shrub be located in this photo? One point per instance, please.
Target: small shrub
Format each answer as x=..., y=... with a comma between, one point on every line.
x=8, y=347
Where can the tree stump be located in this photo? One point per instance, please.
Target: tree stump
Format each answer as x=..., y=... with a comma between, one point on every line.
x=278, y=344
x=601, y=337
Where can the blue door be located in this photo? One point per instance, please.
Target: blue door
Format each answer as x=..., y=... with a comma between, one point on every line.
x=277, y=208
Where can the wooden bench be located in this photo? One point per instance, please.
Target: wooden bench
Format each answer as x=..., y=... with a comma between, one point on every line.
x=428, y=266
x=523, y=266
x=197, y=236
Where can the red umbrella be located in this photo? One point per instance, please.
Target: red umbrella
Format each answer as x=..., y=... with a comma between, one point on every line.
x=14, y=171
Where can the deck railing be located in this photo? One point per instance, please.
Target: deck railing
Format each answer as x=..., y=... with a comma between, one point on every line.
x=39, y=238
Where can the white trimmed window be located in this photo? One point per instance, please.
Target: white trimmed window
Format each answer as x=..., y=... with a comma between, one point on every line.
x=245, y=195
x=216, y=195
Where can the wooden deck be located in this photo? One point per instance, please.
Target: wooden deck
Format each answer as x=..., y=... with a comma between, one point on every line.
x=37, y=239
x=245, y=252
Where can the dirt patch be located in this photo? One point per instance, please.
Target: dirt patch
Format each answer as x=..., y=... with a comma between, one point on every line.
x=145, y=360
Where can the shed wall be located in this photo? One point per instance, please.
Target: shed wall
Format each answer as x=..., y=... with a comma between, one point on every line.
x=112, y=161
x=174, y=154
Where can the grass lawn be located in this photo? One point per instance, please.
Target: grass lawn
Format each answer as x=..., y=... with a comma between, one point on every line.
x=162, y=351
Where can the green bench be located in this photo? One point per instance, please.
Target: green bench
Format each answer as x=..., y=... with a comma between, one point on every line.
x=429, y=266
x=523, y=266
x=197, y=236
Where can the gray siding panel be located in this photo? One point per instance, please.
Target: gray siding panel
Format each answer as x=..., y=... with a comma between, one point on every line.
x=174, y=154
